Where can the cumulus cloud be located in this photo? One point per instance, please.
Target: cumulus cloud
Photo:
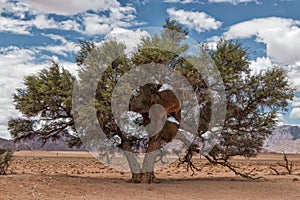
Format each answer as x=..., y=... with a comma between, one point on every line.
x=280, y=35
x=115, y=15
x=295, y=113
x=261, y=63
x=119, y=17
x=294, y=74
x=63, y=49
x=13, y=26
x=17, y=8
x=71, y=7
x=296, y=102
x=130, y=38
x=293, y=71
x=280, y=119
x=95, y=24
x=15, y=63
x=23, y=27
x=199, y=21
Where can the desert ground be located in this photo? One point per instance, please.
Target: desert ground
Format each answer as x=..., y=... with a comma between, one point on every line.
x=78, y=175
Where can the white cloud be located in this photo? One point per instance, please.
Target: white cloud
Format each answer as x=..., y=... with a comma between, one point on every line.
x=92, y=24
x=118, y=17
x=296, y=102
x=199, y=21
x=23, y=27
x=69, y=25
x=294, y=74
x=231, y=1
x=15, y=21
x=279, y=34
x=295, y=113
x=17, y=8
x=261, y=63
x=55, y=37
x=130, y=38
x=280, y=119
x=4, y=132
x=15, y=63
x=95, y=24
x=71, y=7
x=14, y=26
x=212, y=42
x=2, y=4
x=62, y=49
x=293, y=71
x=42, y=22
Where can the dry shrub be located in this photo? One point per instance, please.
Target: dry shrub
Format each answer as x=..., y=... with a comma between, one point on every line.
x=5, y=159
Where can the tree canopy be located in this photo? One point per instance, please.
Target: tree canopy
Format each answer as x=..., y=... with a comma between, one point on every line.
x=252, y=100
x=46, y=104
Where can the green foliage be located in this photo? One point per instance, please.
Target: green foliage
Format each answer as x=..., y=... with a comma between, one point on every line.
x=111, y=52
x=165, y=48
x=5, y=159
x=252, y=100
x=46, y=103
x=85, y=48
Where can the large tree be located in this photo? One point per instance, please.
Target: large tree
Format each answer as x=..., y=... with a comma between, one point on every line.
x=252, y=100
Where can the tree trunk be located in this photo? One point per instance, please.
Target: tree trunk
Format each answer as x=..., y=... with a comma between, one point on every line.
x=147, y=177
x=146, y=173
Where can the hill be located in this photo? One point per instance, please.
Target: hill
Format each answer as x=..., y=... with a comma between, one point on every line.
x=284, y=138
x=35, y=144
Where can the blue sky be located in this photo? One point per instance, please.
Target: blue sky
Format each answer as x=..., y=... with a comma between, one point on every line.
x=32, y=32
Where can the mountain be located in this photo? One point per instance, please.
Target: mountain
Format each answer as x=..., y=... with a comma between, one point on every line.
x=6, y=144
x=284, y=138
x=35, y=144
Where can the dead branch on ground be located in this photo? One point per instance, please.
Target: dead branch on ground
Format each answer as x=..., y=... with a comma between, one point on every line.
x=287, y=164
x=225, y=163
x=188, y=159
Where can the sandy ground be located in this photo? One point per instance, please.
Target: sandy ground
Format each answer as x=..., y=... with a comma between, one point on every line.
x=77, y=175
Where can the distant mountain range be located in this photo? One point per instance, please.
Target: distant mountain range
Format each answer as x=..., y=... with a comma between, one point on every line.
x=35, y=144
x=284, y=138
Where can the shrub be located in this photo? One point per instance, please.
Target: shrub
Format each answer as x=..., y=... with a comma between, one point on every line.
x=5, y=159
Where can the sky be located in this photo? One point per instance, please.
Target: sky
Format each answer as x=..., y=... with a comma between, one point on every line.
x=32, y=32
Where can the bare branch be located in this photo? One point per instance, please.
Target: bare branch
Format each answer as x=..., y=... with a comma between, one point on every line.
x=287, y=165
x=275, y=170
x=188, y=159
x=225, y=163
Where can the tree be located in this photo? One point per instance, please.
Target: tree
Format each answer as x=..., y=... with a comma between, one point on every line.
x=252, y=101
x=46, y=104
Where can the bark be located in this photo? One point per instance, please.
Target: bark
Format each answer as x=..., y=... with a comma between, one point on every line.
x=144, y=174
x=147, y=177
x=132, y=162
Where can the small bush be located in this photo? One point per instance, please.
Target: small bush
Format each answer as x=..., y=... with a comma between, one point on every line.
x=5, y=159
